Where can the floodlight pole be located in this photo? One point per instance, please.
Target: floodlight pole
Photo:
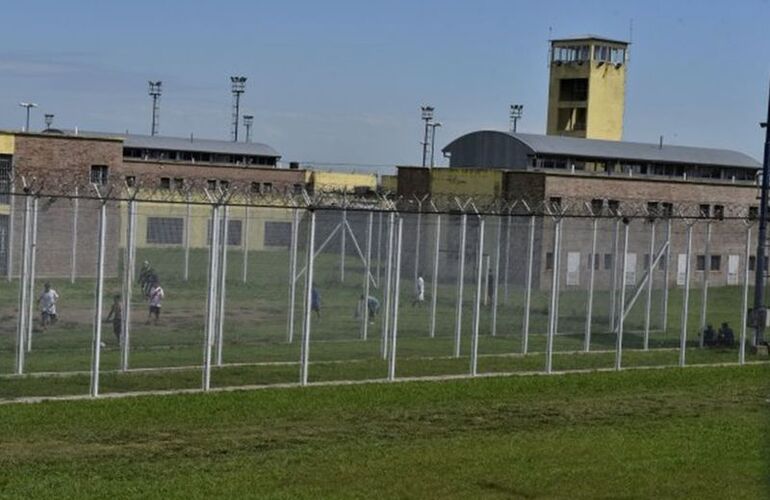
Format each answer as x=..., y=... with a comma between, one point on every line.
x=761, y=267
x=238, y=87
x=433, y=127
x=154, y=91
x=427, y=116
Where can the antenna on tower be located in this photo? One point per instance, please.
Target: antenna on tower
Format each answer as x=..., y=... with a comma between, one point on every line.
x=248, y=121
x=155, y=91
x=550, y=47
x=238, y=88
x=48, y=119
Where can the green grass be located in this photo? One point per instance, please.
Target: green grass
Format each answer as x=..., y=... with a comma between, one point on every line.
x=255, y=330
x=671, y=433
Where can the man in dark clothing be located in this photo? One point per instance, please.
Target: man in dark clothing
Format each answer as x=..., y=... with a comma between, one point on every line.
x=726, y=336
x=709, y=336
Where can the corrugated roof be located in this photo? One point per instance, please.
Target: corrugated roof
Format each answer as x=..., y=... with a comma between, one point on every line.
x=186, y=144
x=622, y=150
x=589, y=36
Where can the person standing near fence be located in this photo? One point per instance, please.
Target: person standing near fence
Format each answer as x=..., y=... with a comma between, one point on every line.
x=47, y=302
x=116, y=315
x=419, y=296
x=155, y=296
x=315, y=302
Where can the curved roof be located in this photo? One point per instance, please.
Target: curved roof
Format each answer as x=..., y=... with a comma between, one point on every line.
x=553, y=145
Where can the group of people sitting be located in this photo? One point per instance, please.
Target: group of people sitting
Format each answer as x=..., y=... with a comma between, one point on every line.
x=722, y=338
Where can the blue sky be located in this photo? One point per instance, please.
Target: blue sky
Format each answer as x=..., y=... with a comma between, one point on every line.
x=342, y=81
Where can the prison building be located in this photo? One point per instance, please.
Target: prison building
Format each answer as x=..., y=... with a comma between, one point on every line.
x=609, y=178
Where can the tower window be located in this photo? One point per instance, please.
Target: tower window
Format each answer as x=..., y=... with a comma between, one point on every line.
x=573, y=89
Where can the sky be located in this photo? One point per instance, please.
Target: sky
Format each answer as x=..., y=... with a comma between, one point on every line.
x=342, y=81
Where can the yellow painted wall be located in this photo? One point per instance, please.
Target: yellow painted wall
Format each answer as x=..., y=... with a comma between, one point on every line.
x=199, y=220
x=323, y=181
x=606, y=102
x=389, y=183
x=467, y=182
x=7, y=143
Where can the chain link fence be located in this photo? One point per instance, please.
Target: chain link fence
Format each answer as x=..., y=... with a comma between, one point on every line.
x=147, y=291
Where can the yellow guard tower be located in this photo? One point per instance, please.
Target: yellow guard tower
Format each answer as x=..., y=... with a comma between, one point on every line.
x=587, y=87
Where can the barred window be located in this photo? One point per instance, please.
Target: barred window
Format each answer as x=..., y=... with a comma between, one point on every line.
x=99, y=174
x=277, y=234
x=165, y=230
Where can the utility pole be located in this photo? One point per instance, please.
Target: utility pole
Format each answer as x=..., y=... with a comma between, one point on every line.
x=427, y=116
x=759, y=278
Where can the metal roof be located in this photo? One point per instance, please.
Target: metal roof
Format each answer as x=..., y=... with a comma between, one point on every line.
x=589, y=36
x=190, y=144
x=572, y=147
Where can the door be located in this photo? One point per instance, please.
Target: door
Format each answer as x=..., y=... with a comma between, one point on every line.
x=681, y=268
x=631, y=269
x=573, y=268
x=732, y=269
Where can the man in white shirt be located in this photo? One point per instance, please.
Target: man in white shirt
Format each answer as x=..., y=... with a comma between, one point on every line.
x=155, y=297
x=419, y=297
x=47, y=303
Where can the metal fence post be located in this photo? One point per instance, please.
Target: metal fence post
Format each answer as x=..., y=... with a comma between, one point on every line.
x=591, y=282
x=705, y=292
x=367, y=272
x=23, y=287
x=666, y=275
x=745, y=303
x=305, y=346
x=384, y=335
x=434, y=278
x=293, y=274
x=396, y=297
x=31, y=279
x=245, y=245
x=496, y=276
x=187, y=221
x=74, y=261
x=211, y=298
x=552, y=310
x=622, y=315
x=686, y=299
x=418, y=238
x=97, y=338
x=128, y=279
x=460, y=283
x=650, y=281
x=507, y=265
x=225, y=236
x=11, y=231
x=477, y=301
x=343, y=251
x=614, y=275
x=528, y=286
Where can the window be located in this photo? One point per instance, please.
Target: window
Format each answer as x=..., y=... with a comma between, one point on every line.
x=555, y=203
x=297, y=188
x=99, y=174
x=267, y=187
x=653, y=208
x=716, y=262
x=700, y=263
x=752, y=263
x=573, y=89
x=607, y=261
x=165, y=230
x=667, y=209
x=596, y=206
x=224, y=185
x=178, y=183
x=549, y=261
x=595, y=260
x=234, y=232
x=277, y=234
x=5, y=178
x=256, y=187
x=130, y=181
x=211, y=185
x=753, y=213
x=646, y=261
x=165, y=183
x=614, y=206
x=719, y=212
x=704, y=210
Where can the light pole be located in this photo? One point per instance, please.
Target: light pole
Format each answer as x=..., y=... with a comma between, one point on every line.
x=154, y=91
x=28, y=105
x=238, y=87
x=248, y=121
x=427, y=116
x=48, y=119
x=516, y=112
x=433, y=140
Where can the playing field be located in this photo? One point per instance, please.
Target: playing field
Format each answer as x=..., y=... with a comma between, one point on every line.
x=664, y=433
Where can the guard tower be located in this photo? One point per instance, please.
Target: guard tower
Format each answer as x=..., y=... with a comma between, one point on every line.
x=587, y=87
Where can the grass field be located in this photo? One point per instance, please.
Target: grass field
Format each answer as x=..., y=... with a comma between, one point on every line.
x=255, y=331
x=668, y=433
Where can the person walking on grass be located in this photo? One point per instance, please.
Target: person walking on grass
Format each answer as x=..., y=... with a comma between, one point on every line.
x=419, y=296
x=47, y=301
x=116, y=315
x=372, y=304
x=155, y=297
x=315, y=302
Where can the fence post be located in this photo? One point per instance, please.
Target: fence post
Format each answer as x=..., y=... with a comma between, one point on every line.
x=211, y=296
x=460, y=283
x=418, y=237
x=245, y=244
x=552, y=310
x=23, y=287
x=650, y=281
x=128, y=281
x=11, y=232
x=293, y=274
x=343, y=226
x=745, y=303
x=396, y=296
x=686, y=299
x=477, y=301
x=528, y=290
x=188, y=217
x=622, y=315
x=305, y=346
x=434, y=278
x=666, y=275
x=705, y=293
x=614, y=275
x=222, y=282
x=384, y=335
x=496, y=276
x=74, y=261
x=367, y=272
x=507, y=265
x=97, y=338
x=31, y=279
x=379, y=248
x=591, y=281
